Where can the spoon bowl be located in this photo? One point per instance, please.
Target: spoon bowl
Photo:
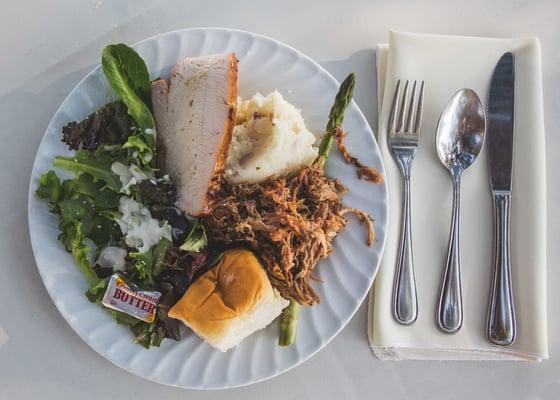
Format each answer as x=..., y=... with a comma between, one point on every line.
x=461, y=130
x=459, y=140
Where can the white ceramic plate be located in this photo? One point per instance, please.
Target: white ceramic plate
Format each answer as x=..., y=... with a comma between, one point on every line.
x=265, y=65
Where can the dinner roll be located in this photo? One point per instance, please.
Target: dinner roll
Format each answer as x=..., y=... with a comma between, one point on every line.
x=230, y=301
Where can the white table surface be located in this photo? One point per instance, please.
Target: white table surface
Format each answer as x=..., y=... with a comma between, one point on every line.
x=46, y=47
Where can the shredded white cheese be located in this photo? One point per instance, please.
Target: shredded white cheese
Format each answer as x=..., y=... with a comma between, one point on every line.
x=112, y=257
x=139, y=228
x=129, y=176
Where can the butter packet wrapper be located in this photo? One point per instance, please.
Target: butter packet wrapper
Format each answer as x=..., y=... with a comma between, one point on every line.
x=129, y=299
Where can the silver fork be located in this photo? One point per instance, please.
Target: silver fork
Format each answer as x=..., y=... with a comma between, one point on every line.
x=404, y=132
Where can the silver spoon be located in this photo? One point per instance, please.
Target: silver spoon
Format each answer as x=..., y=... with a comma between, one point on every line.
x=459, y=139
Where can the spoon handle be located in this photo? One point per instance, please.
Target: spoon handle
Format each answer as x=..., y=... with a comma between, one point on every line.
x=501, y=327
x=405, y=302
x=450, y=307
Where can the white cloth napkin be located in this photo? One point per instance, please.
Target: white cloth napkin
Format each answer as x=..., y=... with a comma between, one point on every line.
x=447, y=64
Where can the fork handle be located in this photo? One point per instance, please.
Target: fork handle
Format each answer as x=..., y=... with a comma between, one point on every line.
x=405, y=301
x=501, y=326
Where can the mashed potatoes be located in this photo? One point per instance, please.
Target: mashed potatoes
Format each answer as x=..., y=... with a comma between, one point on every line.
x=269, y=138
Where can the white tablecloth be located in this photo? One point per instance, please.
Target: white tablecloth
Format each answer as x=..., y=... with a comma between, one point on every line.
x=47, y=47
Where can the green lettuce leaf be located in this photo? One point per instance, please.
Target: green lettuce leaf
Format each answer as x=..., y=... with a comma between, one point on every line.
x=142, y=146
x=149, y=264
x=125, y=319
x=86, y=184
x=97, y=290
x=102, y=231
x=196, y=240
x=159, y=253
x=106, y=199
x=74, y=209
x=144, y=263
x=214, y=259
x=95, y=164
x=49, y=187
x=128, y=76
x=88, y=202
x=148, y=335
x=81, y=252
x=67, y=189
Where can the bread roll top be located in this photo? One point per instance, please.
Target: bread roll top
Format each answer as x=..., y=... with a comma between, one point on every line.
x=228, y=290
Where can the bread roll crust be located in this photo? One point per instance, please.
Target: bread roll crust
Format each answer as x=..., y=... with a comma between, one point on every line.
x=230, y=289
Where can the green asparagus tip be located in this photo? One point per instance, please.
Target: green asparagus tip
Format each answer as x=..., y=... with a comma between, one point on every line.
x=336, y=116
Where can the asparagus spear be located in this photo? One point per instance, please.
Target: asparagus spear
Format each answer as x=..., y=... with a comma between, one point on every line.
x=336, y=116
x=288, y=320
x=288, y=324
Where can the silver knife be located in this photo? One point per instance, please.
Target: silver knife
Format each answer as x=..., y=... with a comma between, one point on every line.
x=501, y=326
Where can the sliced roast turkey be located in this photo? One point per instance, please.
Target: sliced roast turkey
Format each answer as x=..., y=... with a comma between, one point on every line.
x=194, y=115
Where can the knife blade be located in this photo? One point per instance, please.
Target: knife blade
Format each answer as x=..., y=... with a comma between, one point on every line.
x=501, y=326
x=500, y=123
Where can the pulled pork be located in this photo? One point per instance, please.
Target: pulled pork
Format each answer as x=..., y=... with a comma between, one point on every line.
x=289, y=222
x=364, y=172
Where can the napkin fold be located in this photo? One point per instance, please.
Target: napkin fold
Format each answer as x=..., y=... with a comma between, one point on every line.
x=447, y=64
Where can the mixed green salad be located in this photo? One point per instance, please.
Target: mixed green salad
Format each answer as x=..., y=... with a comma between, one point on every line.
x=118, y=213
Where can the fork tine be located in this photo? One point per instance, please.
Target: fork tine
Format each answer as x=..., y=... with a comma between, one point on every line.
x=411, y=110
x=419, y=109
x=394, y=107
x=402, y=110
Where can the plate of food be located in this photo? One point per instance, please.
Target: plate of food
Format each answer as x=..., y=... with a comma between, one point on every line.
x=207, y=207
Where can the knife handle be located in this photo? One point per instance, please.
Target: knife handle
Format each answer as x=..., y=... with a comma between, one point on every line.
x=501, y=325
